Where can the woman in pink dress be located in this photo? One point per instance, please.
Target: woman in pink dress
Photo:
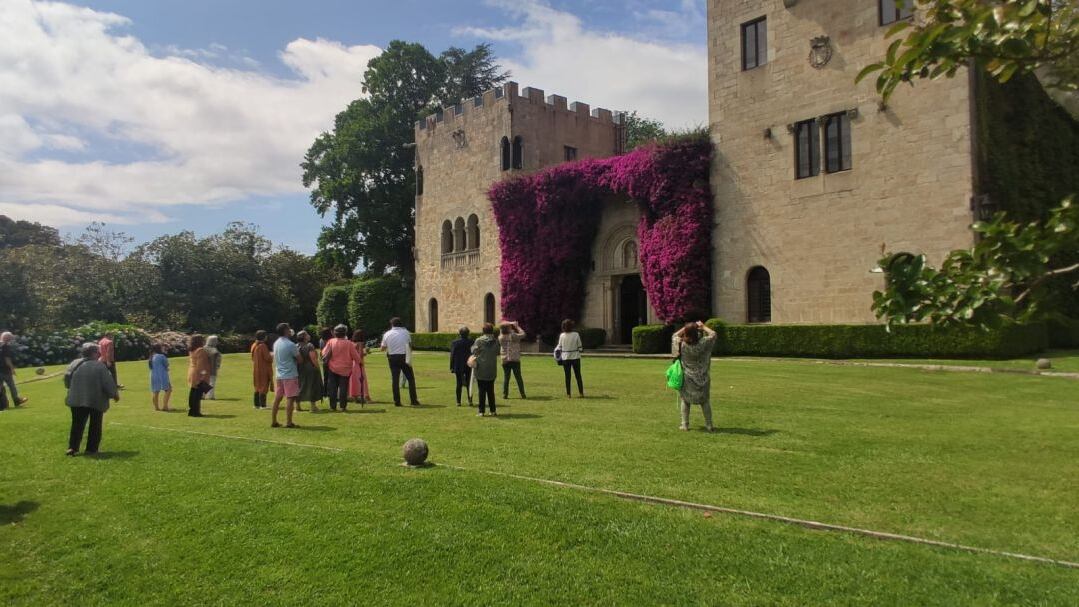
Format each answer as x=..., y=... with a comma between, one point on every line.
x=357, y=382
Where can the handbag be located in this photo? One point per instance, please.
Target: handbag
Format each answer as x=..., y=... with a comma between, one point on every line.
x=204, y=387
x=675, y=374
x=558, y=355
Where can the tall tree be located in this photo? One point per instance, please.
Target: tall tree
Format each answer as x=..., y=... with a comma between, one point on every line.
x=21, y=233
x=363, y=171
x=641, y=130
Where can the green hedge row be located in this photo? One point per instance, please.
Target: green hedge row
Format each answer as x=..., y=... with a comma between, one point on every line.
x=333, y=307
x=652, y=339
x=592, y=338
x=857, y=341
x=438, y=342
x=1064, y=333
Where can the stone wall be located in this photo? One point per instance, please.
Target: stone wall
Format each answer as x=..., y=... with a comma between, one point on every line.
x=459, y=150
x=909, y=187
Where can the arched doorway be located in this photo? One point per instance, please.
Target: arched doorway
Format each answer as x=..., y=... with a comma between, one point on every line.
x=632, y=307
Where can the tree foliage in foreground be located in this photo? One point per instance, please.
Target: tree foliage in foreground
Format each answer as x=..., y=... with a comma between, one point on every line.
x=1007, y=275
x=362, y=172
x=1006, y=37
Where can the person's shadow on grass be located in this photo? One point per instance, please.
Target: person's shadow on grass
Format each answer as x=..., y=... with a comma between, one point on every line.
x=112, y=455
x=315, y=428
x=10, y=515
x=746, y=431
x=214, y=416
x=517, y=415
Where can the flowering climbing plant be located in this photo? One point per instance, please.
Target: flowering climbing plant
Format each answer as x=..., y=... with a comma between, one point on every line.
x=548, y=220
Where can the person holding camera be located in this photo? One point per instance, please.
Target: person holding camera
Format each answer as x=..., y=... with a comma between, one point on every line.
x=484, y=363
x=693, y=345
x=510, y=341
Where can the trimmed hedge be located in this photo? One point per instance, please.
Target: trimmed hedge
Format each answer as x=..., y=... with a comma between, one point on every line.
x=374, y=301
x=592, y=338
x=857, y=341
x=1064, y=333
x=875, y=341
x=34, y=348
x=652, y=339
x=333, y=308
x=438, y=342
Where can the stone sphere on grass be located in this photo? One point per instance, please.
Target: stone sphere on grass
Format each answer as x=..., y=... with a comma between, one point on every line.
x=415, y=452
x=1043, y=363
x=40, y=370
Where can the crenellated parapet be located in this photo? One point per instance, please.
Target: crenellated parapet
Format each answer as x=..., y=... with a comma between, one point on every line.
x=510, y=95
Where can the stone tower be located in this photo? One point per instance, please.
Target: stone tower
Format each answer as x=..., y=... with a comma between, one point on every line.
x=460, y=152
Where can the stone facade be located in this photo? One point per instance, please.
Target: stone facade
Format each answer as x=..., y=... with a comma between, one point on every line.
x=911, y=177
x=460, y=152
x=908, y=186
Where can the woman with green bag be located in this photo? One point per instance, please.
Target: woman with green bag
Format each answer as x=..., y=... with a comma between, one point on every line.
x=694, y=343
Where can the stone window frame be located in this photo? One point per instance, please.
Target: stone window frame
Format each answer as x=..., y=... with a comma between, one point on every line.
x=806, y=132
x=472, y=233
x=758, y=295
x=759, y=29
x=447, y=237
x=459, y=235
x=505, y=153
x=837, y=147
x=569, y=153
x=432, y=315
x=518, y=152
x=490, y=308
x=888, y=11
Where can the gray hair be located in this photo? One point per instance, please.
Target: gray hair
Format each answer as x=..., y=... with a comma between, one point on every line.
x=211, y=341
x=7, y=336
x=90, y=349
x=303, y=336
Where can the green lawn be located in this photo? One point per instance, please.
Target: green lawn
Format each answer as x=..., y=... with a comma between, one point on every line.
x=1065, y=361
x=182, y=518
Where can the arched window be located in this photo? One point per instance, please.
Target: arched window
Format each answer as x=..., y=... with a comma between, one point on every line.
x=505, y=154
x=473, y=232
x=518, y=152
x=459, y=235
x=759, y=293
x=432, y=316
x=419, y=181
x=447, y=237
x=629, y=255
x=489, y=308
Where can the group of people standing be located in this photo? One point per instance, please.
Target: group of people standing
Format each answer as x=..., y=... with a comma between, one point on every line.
x=294, y=369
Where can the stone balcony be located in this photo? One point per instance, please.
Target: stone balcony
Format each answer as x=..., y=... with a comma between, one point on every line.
x=461, y=259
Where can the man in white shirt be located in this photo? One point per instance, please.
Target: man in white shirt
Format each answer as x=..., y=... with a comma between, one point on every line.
x=396, y=343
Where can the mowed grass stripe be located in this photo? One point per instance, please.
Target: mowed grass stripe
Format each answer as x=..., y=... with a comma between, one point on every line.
x=979, y=460
x=662, y=501
x=181, y=520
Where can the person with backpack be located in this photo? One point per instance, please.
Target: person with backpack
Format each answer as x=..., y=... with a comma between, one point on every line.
x=460, y=350
x=485, y=354
x=693, y=345
x=90, y=387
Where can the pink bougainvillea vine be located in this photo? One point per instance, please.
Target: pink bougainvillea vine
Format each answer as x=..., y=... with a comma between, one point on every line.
x=547, y=222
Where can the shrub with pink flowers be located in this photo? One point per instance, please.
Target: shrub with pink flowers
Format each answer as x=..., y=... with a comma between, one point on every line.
x=548, y=220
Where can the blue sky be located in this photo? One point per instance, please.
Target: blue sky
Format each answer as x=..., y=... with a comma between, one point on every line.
x=160, y=116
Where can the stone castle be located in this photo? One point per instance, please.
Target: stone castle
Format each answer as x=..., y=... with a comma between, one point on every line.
x=812, y=175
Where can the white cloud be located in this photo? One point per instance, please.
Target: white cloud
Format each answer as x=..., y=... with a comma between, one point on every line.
x=214, y=134
x=63, y=217
x=559, y=54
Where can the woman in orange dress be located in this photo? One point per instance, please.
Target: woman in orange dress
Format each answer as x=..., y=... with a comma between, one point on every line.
x=357, y=382
x=199, y=369
x=262, y=362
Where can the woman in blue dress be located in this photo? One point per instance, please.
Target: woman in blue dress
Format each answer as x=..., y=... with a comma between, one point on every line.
x=159, y=376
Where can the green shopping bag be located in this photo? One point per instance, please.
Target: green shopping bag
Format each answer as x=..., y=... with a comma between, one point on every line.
x=675, y=376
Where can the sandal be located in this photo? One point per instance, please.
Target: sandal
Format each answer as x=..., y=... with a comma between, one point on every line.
x=292, y=425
